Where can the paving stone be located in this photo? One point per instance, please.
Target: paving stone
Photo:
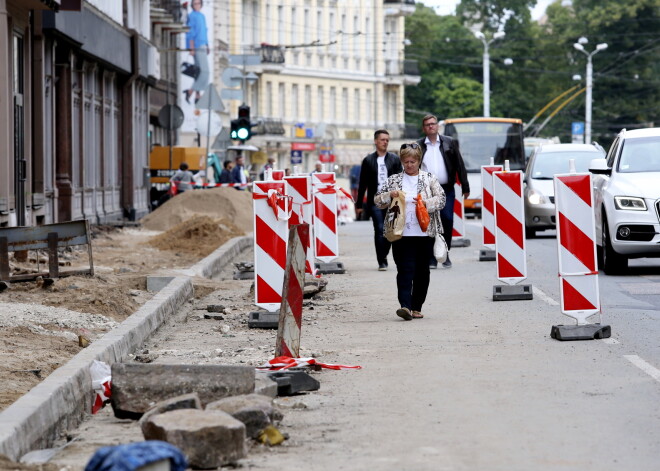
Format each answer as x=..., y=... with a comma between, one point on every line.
x=254, y=410
x=265, y=385
x=209, y=439
x=185, y=401
x=137, y=387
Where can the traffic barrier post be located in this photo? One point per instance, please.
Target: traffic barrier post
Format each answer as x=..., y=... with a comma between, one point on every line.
x=299, y=187
x=511, y=259
x=487, y=212
x=576, y=250
x=290, y=321
x=326, y=238
x=459, y=238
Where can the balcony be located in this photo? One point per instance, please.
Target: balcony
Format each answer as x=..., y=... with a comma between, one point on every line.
x=268, y=126
x=399, y=7
x=404, y=72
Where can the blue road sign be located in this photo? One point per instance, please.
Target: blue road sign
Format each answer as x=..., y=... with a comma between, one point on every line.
x=296, y=157
x=577, y=127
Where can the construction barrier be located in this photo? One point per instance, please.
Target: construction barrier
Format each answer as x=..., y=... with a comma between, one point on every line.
x=511, y=260
x=300, y=189
x=488, y=205
x=458, y=232
x=272, y=210
x=576, y=246
x=278, y=174
x=326, y=239
x=290, y=322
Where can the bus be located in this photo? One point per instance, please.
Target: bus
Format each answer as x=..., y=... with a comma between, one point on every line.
x=481, y=139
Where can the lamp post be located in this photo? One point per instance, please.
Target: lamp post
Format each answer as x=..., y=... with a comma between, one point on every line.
x=486, y=67
x=587, y=112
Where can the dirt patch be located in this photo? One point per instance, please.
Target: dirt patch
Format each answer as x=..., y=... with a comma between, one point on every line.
x=40, y=325
x=8, y=465
x=198, y=236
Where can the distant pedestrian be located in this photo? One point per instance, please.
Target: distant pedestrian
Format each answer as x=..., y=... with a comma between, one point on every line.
x=318, y=167
x=376, y=168
x=270, y=165
x=239, y=173
x=443, y=159
x=183, y=178
x=411, y=252
x=225, y=176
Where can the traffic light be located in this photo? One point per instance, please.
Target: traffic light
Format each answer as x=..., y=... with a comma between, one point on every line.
x=243, y=123
x=234, y=129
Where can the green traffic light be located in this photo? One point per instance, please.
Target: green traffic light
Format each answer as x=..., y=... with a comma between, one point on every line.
x=243, y=133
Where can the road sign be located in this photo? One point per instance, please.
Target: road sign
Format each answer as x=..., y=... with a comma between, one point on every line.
x=210, y=100
x=244, y=59
x=208, y=128
x=296, y=157
x=176, y=118
x=232, y=94
x=577, y=132
x=232, y=77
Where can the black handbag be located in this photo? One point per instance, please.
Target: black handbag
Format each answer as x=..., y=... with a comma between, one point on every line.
x=191, y=70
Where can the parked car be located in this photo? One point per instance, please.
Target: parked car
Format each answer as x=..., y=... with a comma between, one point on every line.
x=546, y=161
x=627, y=199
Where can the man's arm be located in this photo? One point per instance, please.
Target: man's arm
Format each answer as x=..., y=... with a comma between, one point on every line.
x=362, y=187
x=460, y=169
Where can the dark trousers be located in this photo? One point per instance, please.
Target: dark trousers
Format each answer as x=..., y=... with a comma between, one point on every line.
x=382, y=244
x=412, y=270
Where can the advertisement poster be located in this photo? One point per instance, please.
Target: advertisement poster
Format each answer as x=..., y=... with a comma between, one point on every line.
x=196, y=59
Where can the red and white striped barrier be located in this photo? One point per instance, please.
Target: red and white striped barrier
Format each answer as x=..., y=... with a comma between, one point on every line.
x=284, y=362
x=300, y=190
x=272, y=210
x=488, y=205
x=326, y=239
x=345, y=209
x=576, y=246
x=290, y=322
x=509, y=213
x=458, y=232
x=278, y=174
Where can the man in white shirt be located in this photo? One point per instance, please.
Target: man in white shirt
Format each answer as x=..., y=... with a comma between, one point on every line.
x=442, y=158
x=376, y=168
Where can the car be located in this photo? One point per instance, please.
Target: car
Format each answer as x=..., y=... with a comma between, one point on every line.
x=626, y=188
x=532, y=143
x=546, y=161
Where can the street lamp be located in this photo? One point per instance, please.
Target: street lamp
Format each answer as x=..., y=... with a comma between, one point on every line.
x=486, y=67
x=587, y=113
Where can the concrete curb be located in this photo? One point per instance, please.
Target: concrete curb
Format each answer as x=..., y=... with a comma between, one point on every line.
x=61, y=401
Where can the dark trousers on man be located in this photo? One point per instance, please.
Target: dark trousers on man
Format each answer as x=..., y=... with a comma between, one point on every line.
x=382, y=244
x=412, y=270
x=447, y=220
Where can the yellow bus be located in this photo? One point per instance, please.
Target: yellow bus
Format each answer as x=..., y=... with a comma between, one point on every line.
x=483, y=139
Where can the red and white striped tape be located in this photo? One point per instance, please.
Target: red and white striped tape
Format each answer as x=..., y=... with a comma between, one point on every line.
x=326, y=239
x=300, y=189
x=488, y=205
x=271, y=231
x=458, y=231
x=510, y=248
x=576, y=246
x=290, y=323
x=284, y=362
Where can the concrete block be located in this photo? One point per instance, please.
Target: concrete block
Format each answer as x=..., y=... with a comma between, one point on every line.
x=243, y=275
x=336, y=268
x=263, y=320
x=185, y=401
x=487, y=255
x=512, y=293
x=137, y=387
x=264, y=384
x=254, y=410
x=460, y=243
x=292, y=382
x=209, y=439
x=313, y=286
x=156, y=283
x=581, y=332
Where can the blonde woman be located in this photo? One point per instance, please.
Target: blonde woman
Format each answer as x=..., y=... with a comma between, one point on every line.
x=411, y=252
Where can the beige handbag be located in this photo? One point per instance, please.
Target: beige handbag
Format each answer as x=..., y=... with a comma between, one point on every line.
x=395, y=218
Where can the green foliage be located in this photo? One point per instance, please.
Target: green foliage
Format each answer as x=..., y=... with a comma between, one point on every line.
x=626, y=76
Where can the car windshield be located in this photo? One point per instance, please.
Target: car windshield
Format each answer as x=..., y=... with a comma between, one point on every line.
x=547, y=164
x=640, y=155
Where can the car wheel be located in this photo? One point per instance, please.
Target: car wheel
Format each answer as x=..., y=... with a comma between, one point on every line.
x=529, y=232
x=613, y=263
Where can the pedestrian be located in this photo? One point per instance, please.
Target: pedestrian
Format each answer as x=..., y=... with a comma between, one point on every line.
x=239, y=173
x=198, y=47
x=442, y=158
x=182, y=178
x=411, y=252
x=270, y=165
x=225, y=176
x=374, y=172
x=318, y=167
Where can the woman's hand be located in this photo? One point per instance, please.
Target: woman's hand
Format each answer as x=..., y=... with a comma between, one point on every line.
x=394, y=194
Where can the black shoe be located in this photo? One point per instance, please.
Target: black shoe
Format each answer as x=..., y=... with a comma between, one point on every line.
x=404, y=313
x=446, y=263
x=382, y=266
x=433, y=266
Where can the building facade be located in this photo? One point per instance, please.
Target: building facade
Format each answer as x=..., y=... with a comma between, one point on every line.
x=329, y=73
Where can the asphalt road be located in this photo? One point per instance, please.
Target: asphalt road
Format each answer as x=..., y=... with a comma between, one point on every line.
x=476, y=384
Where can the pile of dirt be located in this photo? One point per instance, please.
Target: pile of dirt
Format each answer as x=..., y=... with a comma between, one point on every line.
x=198, y=236
x=216, y=203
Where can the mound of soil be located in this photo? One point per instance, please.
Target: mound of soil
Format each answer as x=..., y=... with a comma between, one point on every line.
x=216, y=203
x=198, y=236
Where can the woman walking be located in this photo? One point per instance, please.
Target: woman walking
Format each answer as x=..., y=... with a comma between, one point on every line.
x=411, y=252
x=198, y=47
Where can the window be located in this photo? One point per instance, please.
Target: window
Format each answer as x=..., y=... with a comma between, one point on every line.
x=308, y=103
x=333, y=104
x=294, y=102
x=281, y=100
x=344, y=104
x=320, y=108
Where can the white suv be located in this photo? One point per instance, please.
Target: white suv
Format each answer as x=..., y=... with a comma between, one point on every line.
x=627, y=199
